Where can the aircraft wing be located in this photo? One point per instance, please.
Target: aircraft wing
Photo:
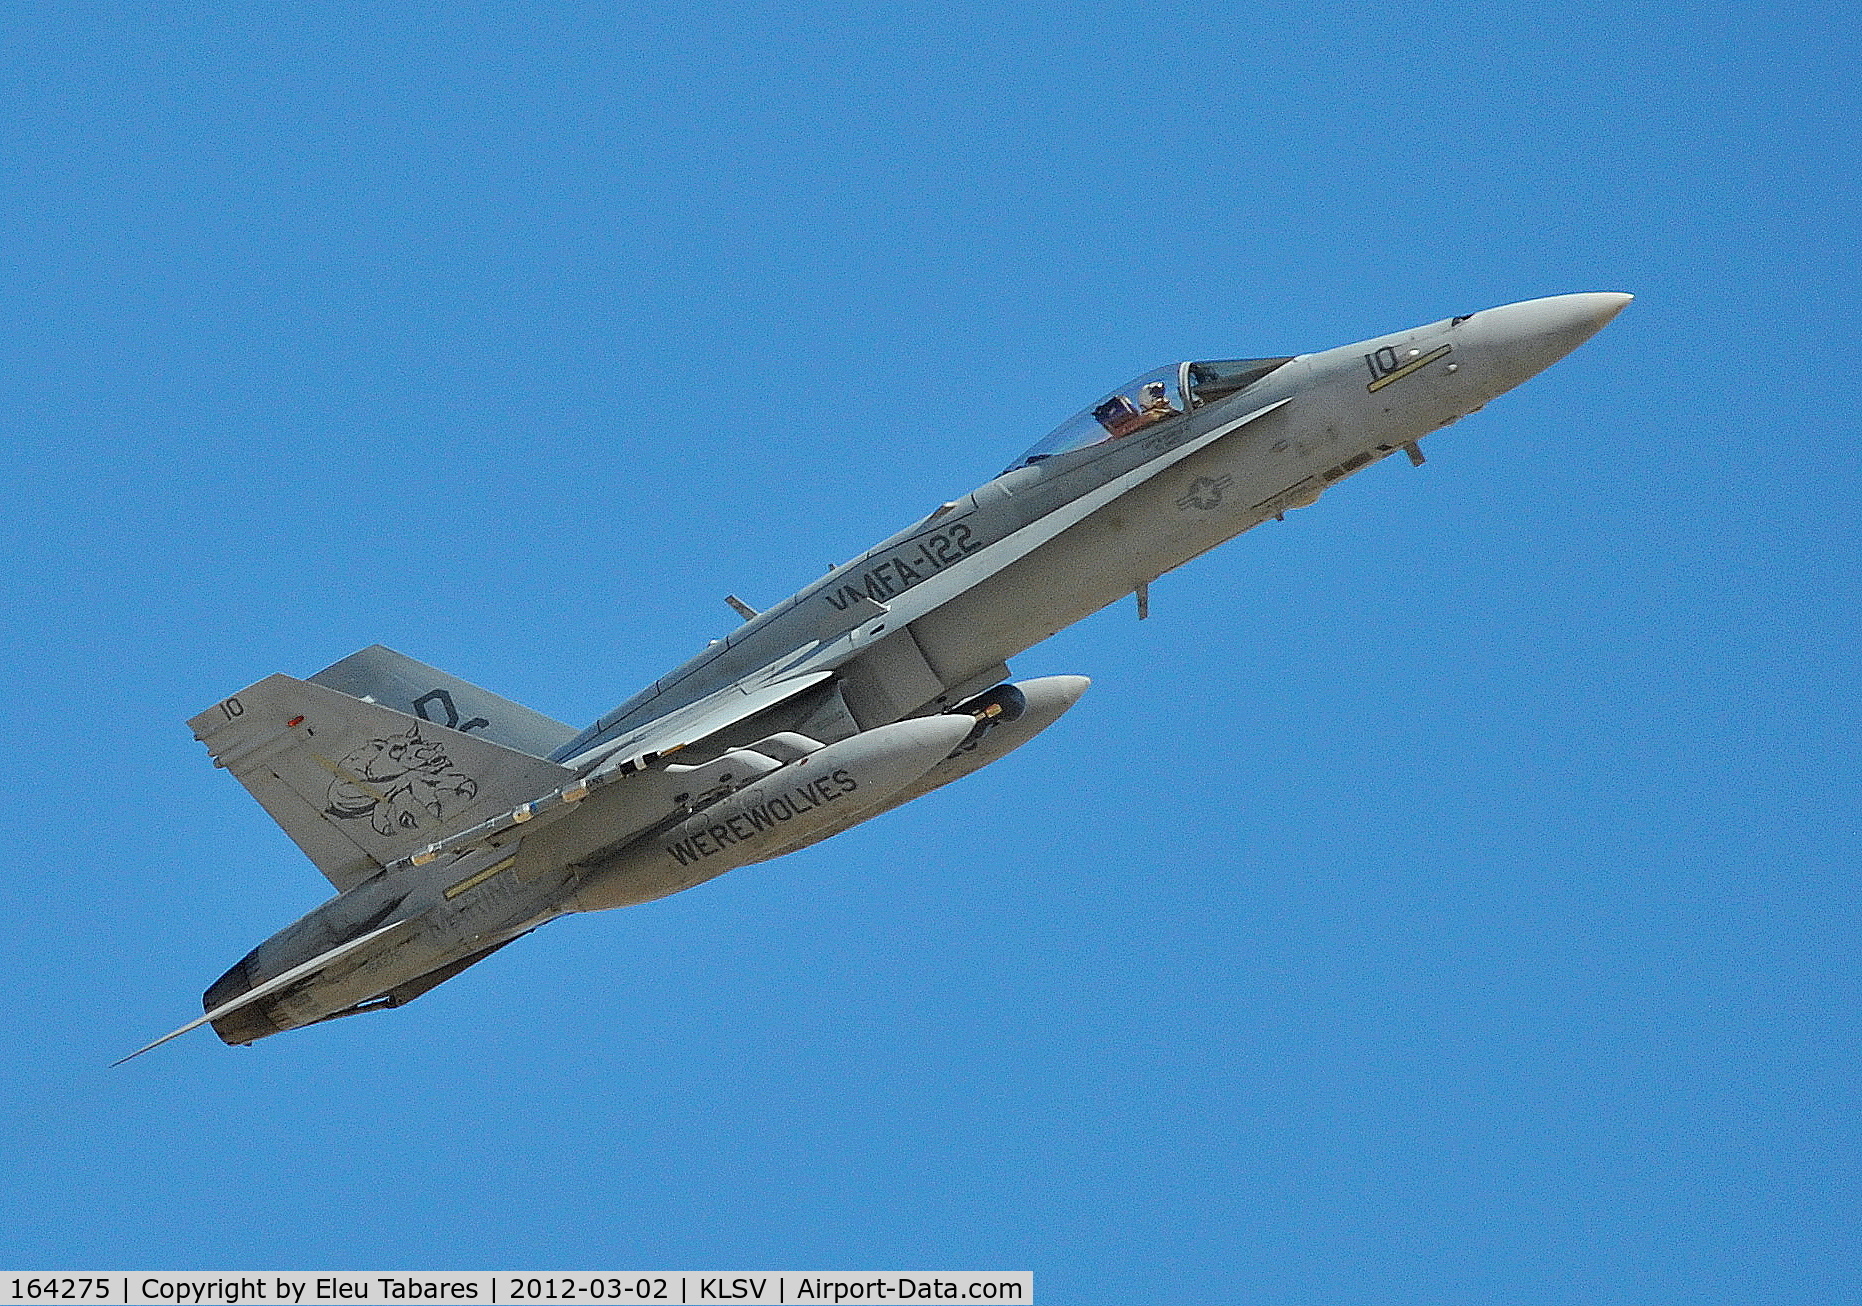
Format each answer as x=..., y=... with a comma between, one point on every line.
x=613, y=762
x=756, y=692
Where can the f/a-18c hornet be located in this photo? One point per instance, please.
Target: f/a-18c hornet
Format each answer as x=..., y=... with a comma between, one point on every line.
x=452, y=821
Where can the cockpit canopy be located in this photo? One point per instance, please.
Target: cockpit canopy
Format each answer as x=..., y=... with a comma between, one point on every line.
x=1150, y=400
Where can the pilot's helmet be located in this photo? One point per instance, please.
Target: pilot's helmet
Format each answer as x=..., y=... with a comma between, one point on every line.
x=1153, y=392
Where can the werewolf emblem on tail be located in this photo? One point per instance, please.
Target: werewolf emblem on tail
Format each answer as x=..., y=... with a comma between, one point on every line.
x=398, y=783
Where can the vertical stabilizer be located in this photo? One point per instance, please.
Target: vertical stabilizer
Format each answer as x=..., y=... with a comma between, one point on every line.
x=356, y=784
x=395, y=680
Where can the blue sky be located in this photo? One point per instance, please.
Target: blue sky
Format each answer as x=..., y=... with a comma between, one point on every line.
x=1447, y=896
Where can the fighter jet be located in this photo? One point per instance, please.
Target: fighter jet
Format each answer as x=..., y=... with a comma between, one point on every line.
x=452, y=821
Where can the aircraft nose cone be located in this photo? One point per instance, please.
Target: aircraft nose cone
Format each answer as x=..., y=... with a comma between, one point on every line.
x=1608, y=304
x=1522, y=340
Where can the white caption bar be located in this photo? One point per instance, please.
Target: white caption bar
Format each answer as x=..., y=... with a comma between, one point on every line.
x=510, y=1288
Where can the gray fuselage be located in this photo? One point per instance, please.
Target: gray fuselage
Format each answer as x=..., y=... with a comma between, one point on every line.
x=928, y=619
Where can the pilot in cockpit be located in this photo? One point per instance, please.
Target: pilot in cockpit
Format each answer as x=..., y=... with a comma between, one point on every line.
x=1155, y=402
x=1120, y=416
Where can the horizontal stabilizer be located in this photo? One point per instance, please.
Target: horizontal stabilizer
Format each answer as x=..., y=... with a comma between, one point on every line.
x=270, y=987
